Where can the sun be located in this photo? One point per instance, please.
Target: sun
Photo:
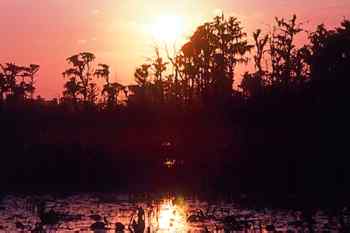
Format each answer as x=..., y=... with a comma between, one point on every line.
x=167, y=29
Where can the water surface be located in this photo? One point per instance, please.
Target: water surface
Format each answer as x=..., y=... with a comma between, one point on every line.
x=164, y=215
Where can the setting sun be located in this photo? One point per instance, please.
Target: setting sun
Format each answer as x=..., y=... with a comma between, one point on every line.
x=168, y=29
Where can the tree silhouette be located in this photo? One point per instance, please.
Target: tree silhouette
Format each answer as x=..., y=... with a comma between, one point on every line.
x=260, y=44
x=103, y=71
x=208, y=60
x=17, y=82
x=30, y=73
x=92, y=95
x=10, y=73
x=151, y=80
x=72, y=89
x=159, y=66
x=285, y=57
x=80, y=74
x=329, y=52
x=291, y=110
x=142, y=75
x=203, y=70
x=3, y=87
x=252, y=84
x=142, y=78
x=110, y=90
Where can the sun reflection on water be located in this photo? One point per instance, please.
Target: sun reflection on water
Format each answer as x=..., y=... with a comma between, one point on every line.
x=172, y=218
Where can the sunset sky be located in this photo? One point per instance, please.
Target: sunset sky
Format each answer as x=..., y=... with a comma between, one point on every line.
x=122, y=33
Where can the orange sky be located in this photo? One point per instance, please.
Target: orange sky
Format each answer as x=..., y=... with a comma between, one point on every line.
x=120, y=34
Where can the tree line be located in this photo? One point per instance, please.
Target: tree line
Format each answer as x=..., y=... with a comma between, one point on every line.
x=281, y=130
x=17, y=82
x=202, y=73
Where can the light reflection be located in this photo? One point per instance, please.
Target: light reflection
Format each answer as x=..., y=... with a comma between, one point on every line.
x=170, y=163
x=172, y=218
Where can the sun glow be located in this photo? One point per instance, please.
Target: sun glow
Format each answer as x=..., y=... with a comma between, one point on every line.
x=168, y=29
